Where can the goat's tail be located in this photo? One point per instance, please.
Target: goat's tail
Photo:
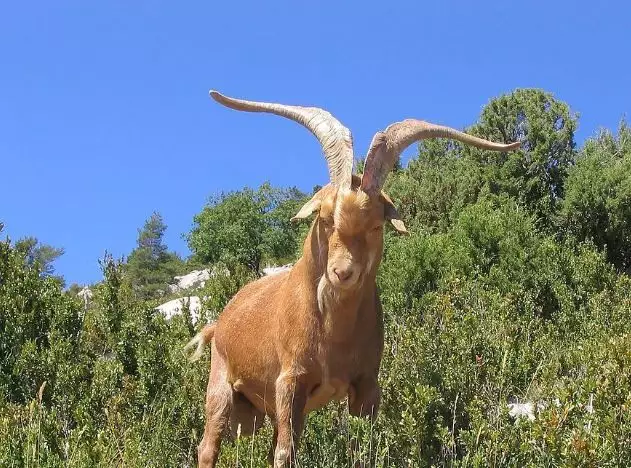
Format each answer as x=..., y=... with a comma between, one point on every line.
x=199, y=341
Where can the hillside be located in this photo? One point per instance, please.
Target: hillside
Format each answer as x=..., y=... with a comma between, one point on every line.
x=507, y=317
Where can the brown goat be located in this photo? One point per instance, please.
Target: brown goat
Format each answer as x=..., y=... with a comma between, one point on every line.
x=291, y=343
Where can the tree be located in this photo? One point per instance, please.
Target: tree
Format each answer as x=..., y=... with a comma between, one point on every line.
x=597, y=203
x=535, y=174
x=150, y=237
x=436, y=186
x=150, y=267
x=38, y=323
x=247, y=227
x=482, y=308
x=39, y=256
x=448, y=176
x=282, y=237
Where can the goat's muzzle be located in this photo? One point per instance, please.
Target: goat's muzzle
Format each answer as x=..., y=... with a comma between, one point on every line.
x=343, y=275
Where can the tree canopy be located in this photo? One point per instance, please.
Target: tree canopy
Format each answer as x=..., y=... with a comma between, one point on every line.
x=150, y=266
x=597, y=203
x=39, y=256
x=247, y=227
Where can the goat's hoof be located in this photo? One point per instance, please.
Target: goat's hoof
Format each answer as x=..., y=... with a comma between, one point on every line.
x=281, y=458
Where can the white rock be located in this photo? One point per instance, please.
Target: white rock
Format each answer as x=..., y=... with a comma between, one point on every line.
x=175, y=306
x=194, y=278
x=274, y=270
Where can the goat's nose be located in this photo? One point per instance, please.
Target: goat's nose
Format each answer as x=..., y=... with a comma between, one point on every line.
x=343, y=273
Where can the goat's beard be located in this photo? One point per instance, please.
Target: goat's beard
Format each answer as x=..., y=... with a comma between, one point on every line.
x=327, y=294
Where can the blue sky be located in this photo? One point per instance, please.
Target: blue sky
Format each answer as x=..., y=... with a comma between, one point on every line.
x=105, y=115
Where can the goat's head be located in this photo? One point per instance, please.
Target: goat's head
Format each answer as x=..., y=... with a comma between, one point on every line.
x=352, y=209
x=347, y=233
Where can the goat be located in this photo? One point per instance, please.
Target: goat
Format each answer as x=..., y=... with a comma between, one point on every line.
x=289, y=344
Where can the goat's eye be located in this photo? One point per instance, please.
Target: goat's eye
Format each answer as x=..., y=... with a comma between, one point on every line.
x=327, y=222
x=376, y=229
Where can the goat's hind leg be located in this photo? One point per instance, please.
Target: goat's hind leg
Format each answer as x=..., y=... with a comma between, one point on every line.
x=245, y=418
x=219, y=400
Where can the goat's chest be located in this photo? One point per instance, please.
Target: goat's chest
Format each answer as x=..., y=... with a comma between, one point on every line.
x=346, y=353
x=335, y=368
x=337, y=359
x=343, y=349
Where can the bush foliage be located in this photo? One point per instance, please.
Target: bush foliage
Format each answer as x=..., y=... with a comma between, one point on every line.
x=513, y=287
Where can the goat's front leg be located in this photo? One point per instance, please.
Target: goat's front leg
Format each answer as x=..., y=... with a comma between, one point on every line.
x=291, y=396
x=363, y=400
x=270, y=455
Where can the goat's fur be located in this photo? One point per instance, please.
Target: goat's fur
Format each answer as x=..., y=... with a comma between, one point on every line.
x=291, y=343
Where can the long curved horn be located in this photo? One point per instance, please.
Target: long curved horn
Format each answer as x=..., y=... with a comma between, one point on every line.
x=335, y=138
x=387, y=146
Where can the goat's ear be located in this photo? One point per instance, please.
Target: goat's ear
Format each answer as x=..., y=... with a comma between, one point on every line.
x=315, y=202
x=392, y=215
x=308, y=208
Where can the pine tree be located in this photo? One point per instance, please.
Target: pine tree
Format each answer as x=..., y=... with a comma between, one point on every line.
x=150, y=266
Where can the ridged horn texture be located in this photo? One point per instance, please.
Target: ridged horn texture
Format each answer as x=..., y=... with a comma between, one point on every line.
x=335, y=138
x=387, y=146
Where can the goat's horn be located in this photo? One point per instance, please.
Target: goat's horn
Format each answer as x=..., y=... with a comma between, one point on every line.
x=335, y=138
x=387, y=146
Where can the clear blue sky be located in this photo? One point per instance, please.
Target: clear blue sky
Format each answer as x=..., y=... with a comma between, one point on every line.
x=105, y=115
